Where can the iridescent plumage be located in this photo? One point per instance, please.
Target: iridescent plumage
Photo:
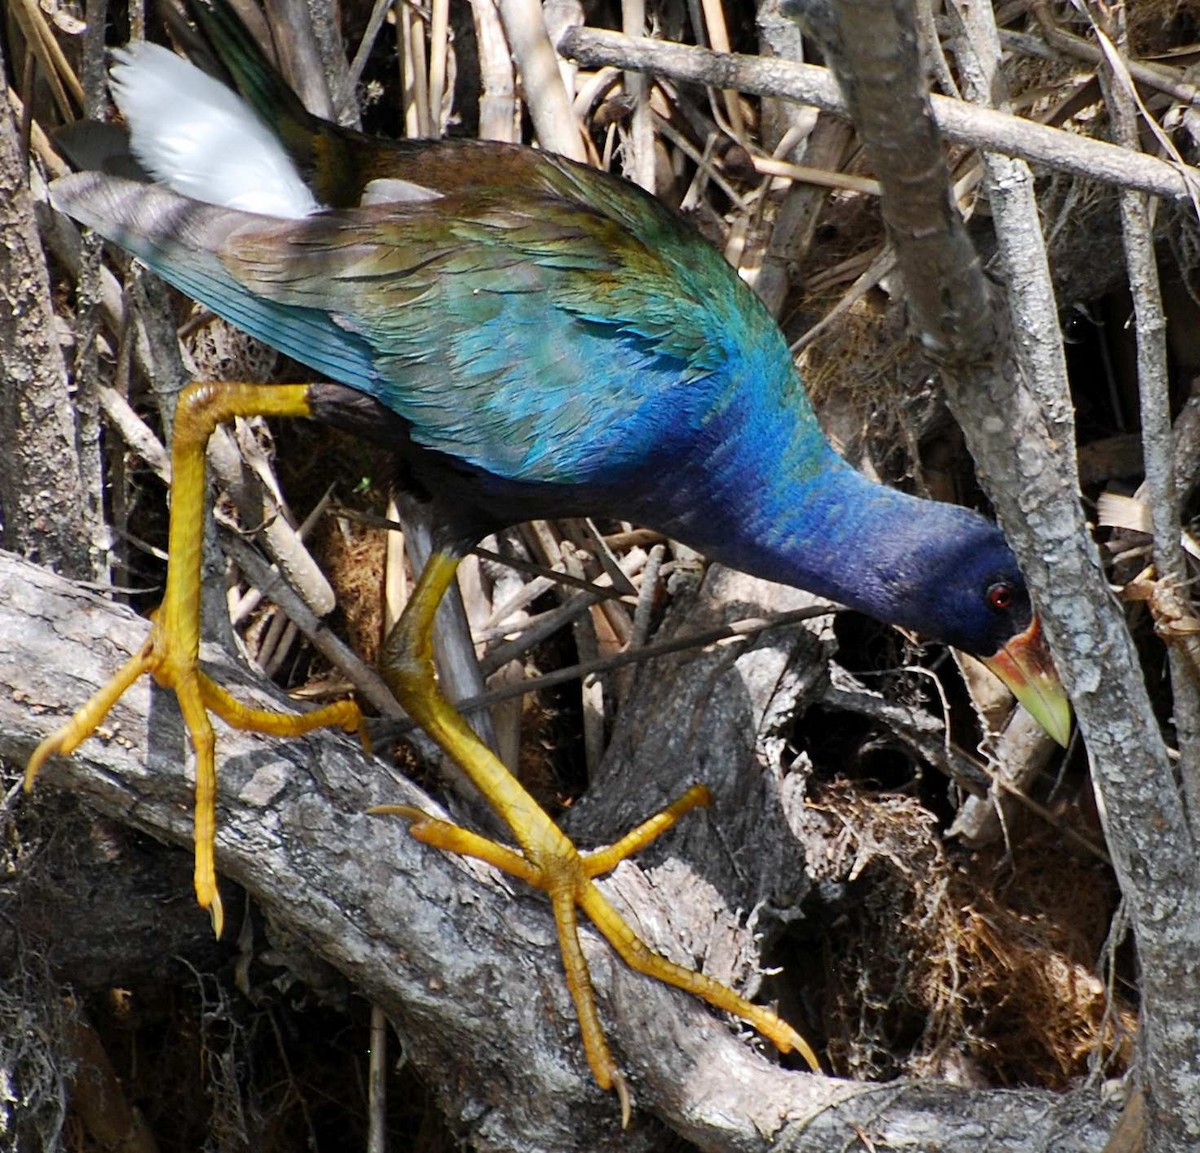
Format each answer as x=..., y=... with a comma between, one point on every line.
x=564, y=344
x=533, y=338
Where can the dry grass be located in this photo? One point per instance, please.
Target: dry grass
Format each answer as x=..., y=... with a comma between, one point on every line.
x=974, y=967
x=967, y=966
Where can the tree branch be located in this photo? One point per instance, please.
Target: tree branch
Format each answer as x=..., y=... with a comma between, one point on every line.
x=461, y=965
x=1154, y=411
x=977, y=127
x=1029, y=472
x=44, y=508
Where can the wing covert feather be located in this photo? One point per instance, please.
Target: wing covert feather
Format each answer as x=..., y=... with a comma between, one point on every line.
x=549, y=342
x=539, y=344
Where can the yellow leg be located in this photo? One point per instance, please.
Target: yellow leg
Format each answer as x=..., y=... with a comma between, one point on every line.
x=548, y=860
x=171, y=652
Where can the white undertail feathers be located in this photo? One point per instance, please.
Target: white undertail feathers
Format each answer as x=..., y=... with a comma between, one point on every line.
x=194, y=135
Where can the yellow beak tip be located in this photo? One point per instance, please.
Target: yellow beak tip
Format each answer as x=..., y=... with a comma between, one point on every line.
x=1024, y=664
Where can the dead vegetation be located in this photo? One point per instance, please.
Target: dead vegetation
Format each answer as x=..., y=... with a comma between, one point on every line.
x=994, y=963
x=960, y=965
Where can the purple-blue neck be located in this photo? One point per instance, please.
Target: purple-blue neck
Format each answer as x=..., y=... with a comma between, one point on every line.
x=769, y=496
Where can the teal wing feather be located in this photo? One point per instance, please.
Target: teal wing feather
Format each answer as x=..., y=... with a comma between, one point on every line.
x=538, y=342
x=533, y=337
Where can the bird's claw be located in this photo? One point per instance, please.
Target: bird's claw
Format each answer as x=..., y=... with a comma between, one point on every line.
x=176, y=669
x=550, y=862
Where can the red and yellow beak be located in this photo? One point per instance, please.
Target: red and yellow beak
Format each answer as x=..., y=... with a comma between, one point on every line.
x=1026, y=667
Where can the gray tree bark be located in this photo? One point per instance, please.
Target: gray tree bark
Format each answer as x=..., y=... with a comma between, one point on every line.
x=465, y=964
x=1005, y=381
x=44, y=509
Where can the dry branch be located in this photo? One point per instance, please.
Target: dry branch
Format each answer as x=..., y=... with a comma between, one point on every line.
x=44, y=508
x=461, y=965
x=1154, y=393
x=977, y=127
x=1030, y=473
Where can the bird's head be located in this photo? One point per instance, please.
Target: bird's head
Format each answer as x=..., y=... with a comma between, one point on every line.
x=974, y=597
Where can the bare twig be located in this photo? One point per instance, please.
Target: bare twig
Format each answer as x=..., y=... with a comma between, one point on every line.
x=1008, y=434
x=718, y=37
x=57, y=70
x=366, y=681
x=498, y=113
x=698, y=640
x=548, y=100
x=46, y=510
x=1157, y=435
x=379, y=11
x=439, y=54
x=977, y=127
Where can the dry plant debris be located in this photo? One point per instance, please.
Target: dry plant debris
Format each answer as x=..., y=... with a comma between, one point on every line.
x=943, y=961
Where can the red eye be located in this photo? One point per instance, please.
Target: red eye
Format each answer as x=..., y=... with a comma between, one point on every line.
x=1000, y=596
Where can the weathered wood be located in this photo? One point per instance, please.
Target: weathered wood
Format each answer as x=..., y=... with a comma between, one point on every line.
x=44, y=506
x=715, y=717
x=1005, y=382
x=463, y=964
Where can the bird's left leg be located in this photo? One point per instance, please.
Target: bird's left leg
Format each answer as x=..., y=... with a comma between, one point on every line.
x=171, y=653
x=548, y=859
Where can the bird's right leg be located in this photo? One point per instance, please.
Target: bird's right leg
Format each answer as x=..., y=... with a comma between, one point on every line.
x=548, y=859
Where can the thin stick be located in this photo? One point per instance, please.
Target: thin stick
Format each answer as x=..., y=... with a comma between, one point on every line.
x=555, y=576
x=821, y=177
x=1157, y=433
x=378, y=15
x=439, y=47
x=745, y=628
x=377, y=1083
x=718, y=37
x=57, y=69
x=548, y=100
x=414, y=75
x=498, y=115
x=641, y=135
x=366, y=681
x=977, y=127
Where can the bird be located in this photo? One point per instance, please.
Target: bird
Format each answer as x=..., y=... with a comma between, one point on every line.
x=531, y=337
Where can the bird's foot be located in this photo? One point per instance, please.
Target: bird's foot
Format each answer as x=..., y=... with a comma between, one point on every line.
x=174, y=665
x=551, y=863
